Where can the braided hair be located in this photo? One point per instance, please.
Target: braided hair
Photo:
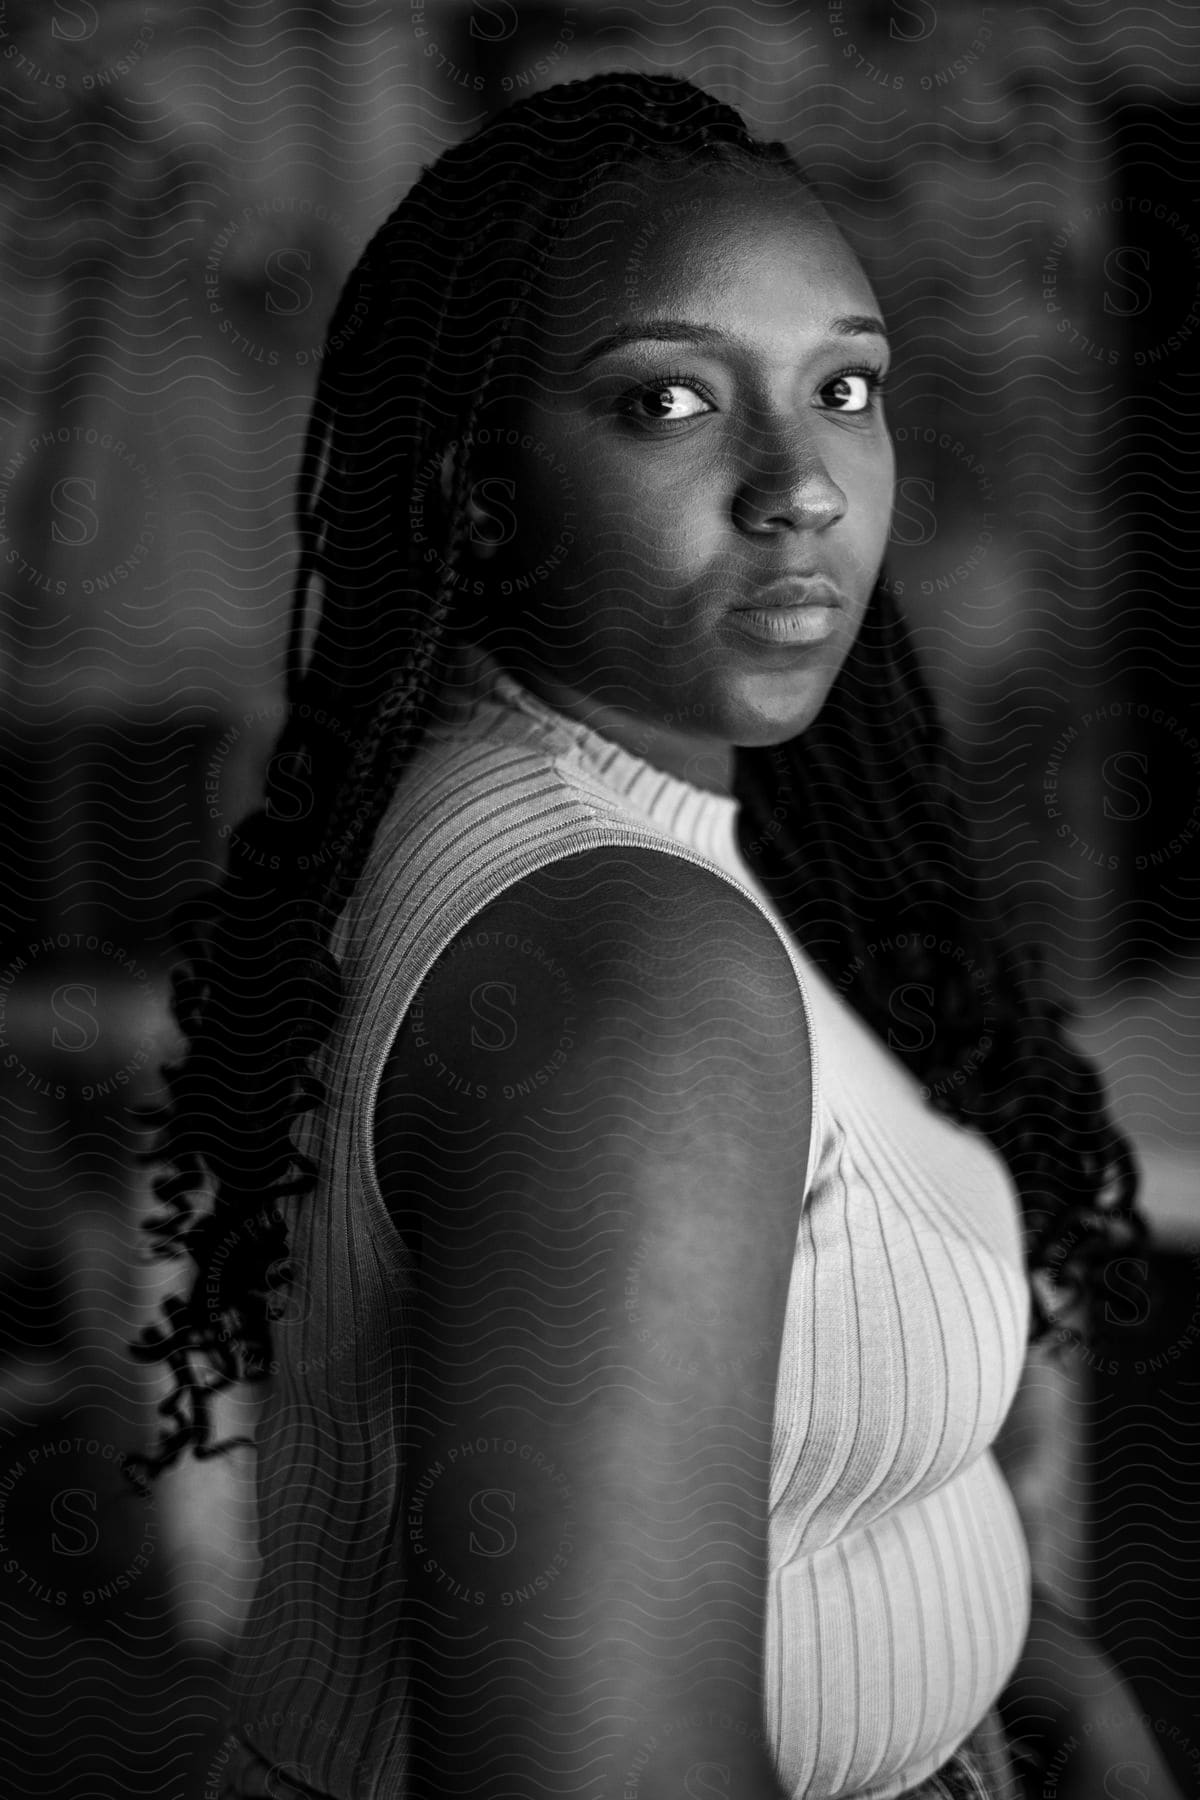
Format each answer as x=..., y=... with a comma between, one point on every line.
x=852, y=827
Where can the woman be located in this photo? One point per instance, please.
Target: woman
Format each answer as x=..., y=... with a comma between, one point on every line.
x=680, y=1138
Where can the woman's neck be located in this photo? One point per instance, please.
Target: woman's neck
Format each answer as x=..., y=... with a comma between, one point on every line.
x=705, y=762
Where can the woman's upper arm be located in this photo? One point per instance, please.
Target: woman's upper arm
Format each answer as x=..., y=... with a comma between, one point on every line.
x=597, y=1119
x=1041, y=1449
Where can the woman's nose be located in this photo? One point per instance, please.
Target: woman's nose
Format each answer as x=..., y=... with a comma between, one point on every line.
x=785, y=484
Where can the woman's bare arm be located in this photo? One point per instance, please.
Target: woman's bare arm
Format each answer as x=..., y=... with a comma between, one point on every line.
x=1066, y=1697
x=606, y=1236
x=1041, y=1450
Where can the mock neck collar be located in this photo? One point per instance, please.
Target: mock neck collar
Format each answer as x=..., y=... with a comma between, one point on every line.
x=480, y=693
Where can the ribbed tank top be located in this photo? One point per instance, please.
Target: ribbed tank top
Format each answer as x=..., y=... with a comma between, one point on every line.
x=899, y=1580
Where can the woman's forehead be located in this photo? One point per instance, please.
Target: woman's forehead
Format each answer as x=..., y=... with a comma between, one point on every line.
x=716, y=246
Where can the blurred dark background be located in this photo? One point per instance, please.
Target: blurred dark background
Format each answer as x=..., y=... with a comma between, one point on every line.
x=185, y=188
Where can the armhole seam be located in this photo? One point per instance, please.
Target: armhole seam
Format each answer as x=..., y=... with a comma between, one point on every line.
x=365, y=1096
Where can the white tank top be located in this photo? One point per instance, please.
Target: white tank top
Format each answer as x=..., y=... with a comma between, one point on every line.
x=899, y=1581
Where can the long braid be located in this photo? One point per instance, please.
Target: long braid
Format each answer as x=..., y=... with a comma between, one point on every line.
x=380, y=758
x=410, y=353
x=876, y=764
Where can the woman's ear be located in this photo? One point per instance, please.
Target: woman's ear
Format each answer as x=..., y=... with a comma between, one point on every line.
x=491, y=520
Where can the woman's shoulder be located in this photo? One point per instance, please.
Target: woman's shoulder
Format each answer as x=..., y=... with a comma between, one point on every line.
x=487, y=823
x=638, y=914
x=632, y=953
x=635, y=947
x=498, y=869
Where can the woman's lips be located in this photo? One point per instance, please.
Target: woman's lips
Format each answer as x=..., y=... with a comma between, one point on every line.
x=810, y=623
x=794, y=609
x=796, y=589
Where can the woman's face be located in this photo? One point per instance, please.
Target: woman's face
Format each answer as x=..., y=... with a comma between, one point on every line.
x=704, y=424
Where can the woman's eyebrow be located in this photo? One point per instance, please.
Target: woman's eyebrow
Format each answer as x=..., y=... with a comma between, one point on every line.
x=685, y=331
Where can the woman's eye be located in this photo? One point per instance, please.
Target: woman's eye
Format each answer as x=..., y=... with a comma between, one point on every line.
x=853, y=391
x=664, y=402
